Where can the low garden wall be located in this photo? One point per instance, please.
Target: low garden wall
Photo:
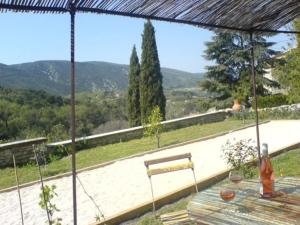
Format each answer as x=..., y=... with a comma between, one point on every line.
x=23, y=151
x=137, y=132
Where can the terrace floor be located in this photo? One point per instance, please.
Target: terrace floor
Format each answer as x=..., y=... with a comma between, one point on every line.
x=124, y=184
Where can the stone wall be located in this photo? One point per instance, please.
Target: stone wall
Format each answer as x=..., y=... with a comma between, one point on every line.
x=22, y=150
x=137, y=132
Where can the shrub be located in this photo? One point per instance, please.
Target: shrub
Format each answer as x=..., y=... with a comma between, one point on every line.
x=272, y=101
x=59, y=152
x=238, y=154
x=58, y=133
x=203, y=105
x=41, y=154
x=153, y=126
x=286, y=112
x=110, y=126
x=223, y=104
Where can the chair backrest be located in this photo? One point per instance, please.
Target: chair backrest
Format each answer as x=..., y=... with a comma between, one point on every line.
x=167, y=169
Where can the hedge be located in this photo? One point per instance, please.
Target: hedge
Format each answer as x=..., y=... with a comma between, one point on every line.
x=272, y=101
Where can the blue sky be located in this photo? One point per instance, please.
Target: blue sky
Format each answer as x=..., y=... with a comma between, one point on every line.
x=31, y=37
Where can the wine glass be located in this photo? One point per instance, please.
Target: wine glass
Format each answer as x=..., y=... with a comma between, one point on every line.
x=235, y=177
x=227, y=194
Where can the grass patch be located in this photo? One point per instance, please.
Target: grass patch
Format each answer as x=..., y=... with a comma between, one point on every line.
x=286, y=164
x=111, y=152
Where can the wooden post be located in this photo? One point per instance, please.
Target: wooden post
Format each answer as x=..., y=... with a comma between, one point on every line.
x=17, y=180
x=254, y=96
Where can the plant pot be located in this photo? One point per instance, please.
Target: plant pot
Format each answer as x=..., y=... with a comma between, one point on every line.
x=236, y=106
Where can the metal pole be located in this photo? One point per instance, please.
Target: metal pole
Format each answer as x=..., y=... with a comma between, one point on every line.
x=73, y=129
x=42, y=184
x=254, y=96
x=17, y=180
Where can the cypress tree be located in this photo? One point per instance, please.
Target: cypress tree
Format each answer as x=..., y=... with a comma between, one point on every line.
x=134, y=111
x=151, y=78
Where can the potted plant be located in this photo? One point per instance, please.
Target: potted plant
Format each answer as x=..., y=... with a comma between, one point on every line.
x=237, y=102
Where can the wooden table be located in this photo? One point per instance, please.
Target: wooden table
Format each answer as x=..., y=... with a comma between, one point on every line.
x=248, y=208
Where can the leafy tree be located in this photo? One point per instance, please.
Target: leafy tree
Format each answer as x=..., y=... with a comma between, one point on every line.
x=153, y=127
x=6, y=112
x=134, y=110
x=231, y=74
x=8, y=123
x=29, y=114
x=287, y=71
x=151, y=88
x=289, y=76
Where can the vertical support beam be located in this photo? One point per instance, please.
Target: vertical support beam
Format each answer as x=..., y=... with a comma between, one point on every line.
x=73, y=127
x=254, y=96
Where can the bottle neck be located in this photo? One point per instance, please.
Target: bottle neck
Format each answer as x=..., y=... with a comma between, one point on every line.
x=265, y=156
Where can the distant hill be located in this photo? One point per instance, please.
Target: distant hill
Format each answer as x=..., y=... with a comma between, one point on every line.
x=54, y=76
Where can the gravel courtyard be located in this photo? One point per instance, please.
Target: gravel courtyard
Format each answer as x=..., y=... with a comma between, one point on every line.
x=125, y=184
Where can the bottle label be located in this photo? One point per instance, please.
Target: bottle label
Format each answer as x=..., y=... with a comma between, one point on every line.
x=261, y=189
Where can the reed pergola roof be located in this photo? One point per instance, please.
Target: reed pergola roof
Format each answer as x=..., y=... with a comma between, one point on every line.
x=240, y=15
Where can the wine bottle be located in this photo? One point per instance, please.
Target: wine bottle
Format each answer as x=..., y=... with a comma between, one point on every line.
x=266, y=173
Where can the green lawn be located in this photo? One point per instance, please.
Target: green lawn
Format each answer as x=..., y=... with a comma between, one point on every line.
x=107, y=153
x=287, y=164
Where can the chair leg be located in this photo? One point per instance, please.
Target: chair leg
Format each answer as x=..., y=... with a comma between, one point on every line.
x=153, y=202
x=195, y=180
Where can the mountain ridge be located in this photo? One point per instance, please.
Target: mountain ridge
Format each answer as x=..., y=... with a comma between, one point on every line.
x=52, y=76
